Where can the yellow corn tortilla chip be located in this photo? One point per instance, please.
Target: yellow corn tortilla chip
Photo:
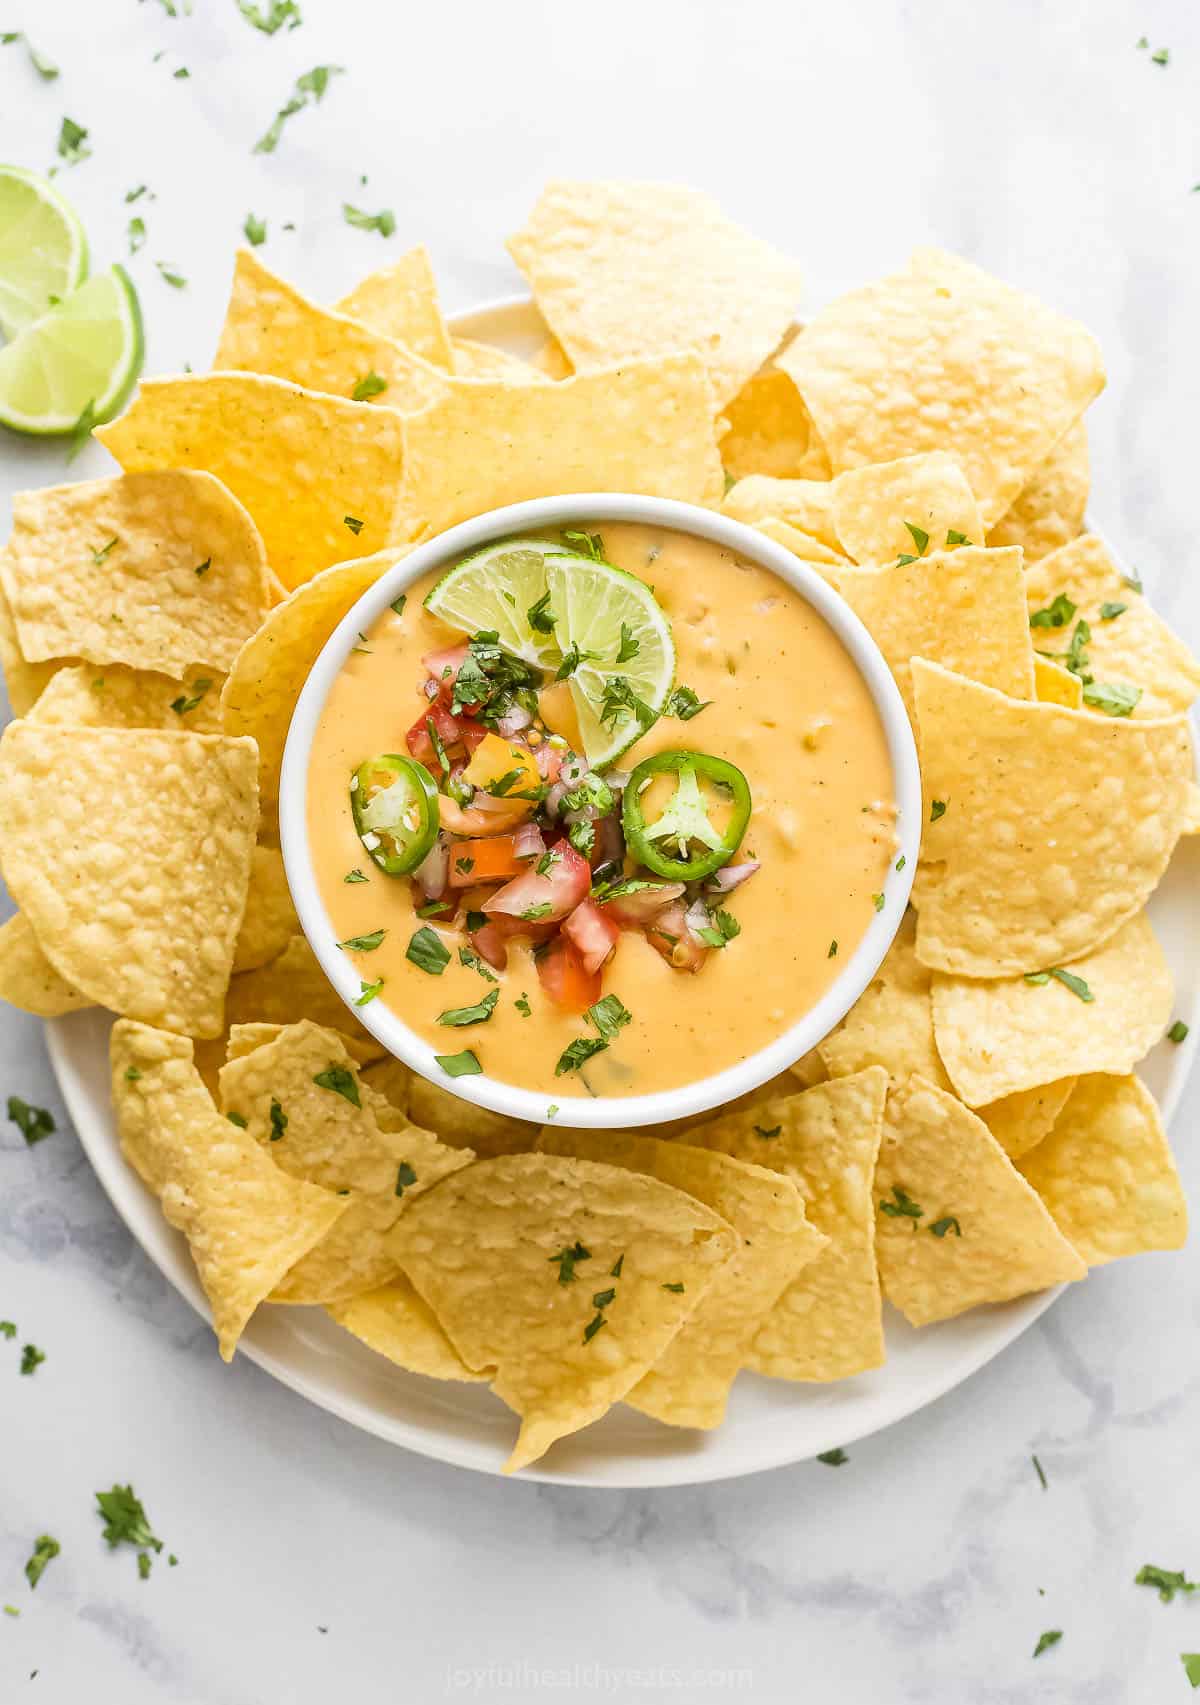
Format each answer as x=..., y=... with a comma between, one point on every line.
x=803, y=545
x=803, y=504
x=463, y=1125
x=645, y=427
x=1019, y=1122
x=270, y=921
x=265, y=681
x=291, y=988
x=299, y=460
x=242, y=1039
x=84, y=695
x=1049, y=512
x=24, y=680
x=621, y=270
x=996, y=1037
x=271, y=328
x=27, y=978
x=400, y=301
x=689, y=1385
x=474, y=360
x=828, y=1323
x=962, y=608
x=1107, y=1174
x=1133, y=647
x=1057, y=825
x=941, y=356
x=957, y=1225
x=247, y=1223
x=129, y=851
x=327, y=1132
x=551, y=359
x=493, y=1253
x=107, y=571
x=396, y=1322
x=1191, y=814
x=771, y=432
x=871, y=505
x=1055, y=685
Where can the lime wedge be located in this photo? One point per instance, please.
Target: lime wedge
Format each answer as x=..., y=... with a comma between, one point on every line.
x=495, y=589
x=43, y=251
x=606, y=612
x=83, y=354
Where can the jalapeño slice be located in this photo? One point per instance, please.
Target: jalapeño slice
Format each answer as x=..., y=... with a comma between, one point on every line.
x=700, y=847
x=395, y=806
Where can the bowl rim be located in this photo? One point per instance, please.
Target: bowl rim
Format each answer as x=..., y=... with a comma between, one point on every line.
x=782, y=1050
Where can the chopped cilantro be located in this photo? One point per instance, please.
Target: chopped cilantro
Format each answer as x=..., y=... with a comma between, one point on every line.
x=272, y=16
x=955, y=538
x=8, y=1329
x=404, y=1177
x=1115, y=697
x=877, y=901
x=136, y=232
x=341, y=1081
x=354, y=524
x=833, y=1458
x=724, y=928
x=1069, y=980
x=279, y=1120
x=363, y=943
x=540, y=616
x=368, y=991
x=1041, y=1473
x=593, y=1326
x=1110, y=611
x=31, y=1358
x=567, y=1258
x=587, y=544
x=614, y=1272
x=571, y=659
x=183, y=706
x=532, y=914
x=1178, y=1031
x=384, y=221
x=34, y=1123
x=1050, y=1638
x=354, y=875
x=125, y=1521
x=629, y=646
x=1191, y=1666
x=832, y=954
x=685, y=704
x=72, y=142
x=1055, y=615
x=459, y=1065
x=578, y=1053
x=603, y=1298
x=255, y=230
x=171, y=275
x=308, y=90
x=919, y=536
x=937, y=808
x=399, y=603
x=44, y=1550
x=901, y=862
x=766, y=1133
x=523, y=1007
x=582, y=837
x=676, y=1287
x=434, y=909
x=202, y=567
x=939, y=1228
x=618, y=698
x=238, y=1119
x=45, y=68
x=1167, y=1581
x=428, y=951
x=902, y=1207
x=609, y=1016
x=477, y=1014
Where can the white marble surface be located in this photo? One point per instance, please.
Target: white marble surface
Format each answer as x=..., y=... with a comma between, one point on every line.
x=316, y=1563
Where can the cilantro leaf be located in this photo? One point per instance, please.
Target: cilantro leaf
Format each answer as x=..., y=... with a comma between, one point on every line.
x=1050, y=1638
x=920, y=537
x=171, y=275
x=955, y=538
x=255, y=230
x=567, y=1258
x=685, y=704
x=272, y=17
x=1167, y=1581
x=72, y=142
x=428, y=951
x=1055, y=615
x=939, y=1228
x=1110, y=611
x=833, y=1458
x=587, y=544
x=405, y=1176
x=279, y=1120
x=368, y=991
x=629, y=646
x=937, y=808
x=34, y=1123
x=384, y=221
x=468, y=957
x=308, y=90
x=44, y=1550
x=125, y=1519
x=1115, y=697
x=477, y=1014
x=363, y=943
x=459, y=1065
x=578, y=1053
x=540, y=616
x=609, y=1016
x=341, y=1081
x=724, y=928
x=183, y=706
x=31, y=1358
x=1178, y=1031
x=902, y=1207
x=354, y=875
x=620, y=699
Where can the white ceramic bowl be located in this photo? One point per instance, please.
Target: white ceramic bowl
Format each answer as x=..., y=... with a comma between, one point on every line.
x=786, y=1048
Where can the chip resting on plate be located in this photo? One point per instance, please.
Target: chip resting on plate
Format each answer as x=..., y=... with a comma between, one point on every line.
x=318, y=474
x=27, y=978
x=689, y=1384
x=24, y=681
x=1055, y=828
x=270, y=921
x=940, y=356
x=771, y=432
x=644, y=427
x=957, y=1225
x=129, y=852
x=155, y=570
x=621, y=270
x=396, y=1322
x=828, y=1323
x=301, y=1097
x=1107, y=1174
x=1100, y=1013
x=290, y=988
x=514, y=1256
x=247, y=1222
x=400, y=301
x=1050, y=510
x=904, y=508
x=1083, y=609
x=83, y=695
x=270, y=327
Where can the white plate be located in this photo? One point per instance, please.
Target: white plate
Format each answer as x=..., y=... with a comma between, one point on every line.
x=769, y=1422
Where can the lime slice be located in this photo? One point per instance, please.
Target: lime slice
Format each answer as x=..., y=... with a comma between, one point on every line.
x=605, y=611
x=84, y=354
x=43, y=251
x=495, y=589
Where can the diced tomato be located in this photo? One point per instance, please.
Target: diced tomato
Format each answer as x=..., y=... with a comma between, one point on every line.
x=592, y=934
x=493, y=859
x=566, y=979
x=489, y=941
x=496, y=818
x=419, y=742
x=642, y=904
x=472, y=733
x=560, y=889
x=669, y=935
x=443, y=667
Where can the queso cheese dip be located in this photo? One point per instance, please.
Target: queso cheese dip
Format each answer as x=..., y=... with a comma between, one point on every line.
x=602, y=930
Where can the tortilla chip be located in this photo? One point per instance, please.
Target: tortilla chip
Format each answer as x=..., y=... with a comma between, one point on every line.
x=828, y=1323
x=397, y=1323
x=1050, y=511
x=551, y=359
x=963, y=1228
x=300, y=461
x=1056, y=828
x=292, y=988
x=247, y=1223
x=871, y=506
x=1020, y=1122
x=129, y=851
x=1134, y=647
x=621, y=270
x=1107, y=1174
x=464, y=1125
x=107, y=571
x=771, y=431
x=645, y=427
x=803, y=504
x=27, y=978
x=1055, y=685
x=265, y=681
x=491, y=1251
x=1191, y=813
x=803, y=545
x=964, y=609
x=943, y=357
x=24, y=680
x=484, y=361
x=690, y=1383
x=400, y=301
x=271, y=328
x=891, y=1023
x=998, y=1037
x=83, y=695
x=270, y=921
x=330, y=1136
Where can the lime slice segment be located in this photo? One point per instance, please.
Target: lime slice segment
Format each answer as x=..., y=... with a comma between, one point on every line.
x=605, y=612
x=43, y=249
x=495, y=589
x=83, y=354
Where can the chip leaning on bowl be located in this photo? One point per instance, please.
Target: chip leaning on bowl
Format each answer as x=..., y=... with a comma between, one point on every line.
x=971, y=1131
